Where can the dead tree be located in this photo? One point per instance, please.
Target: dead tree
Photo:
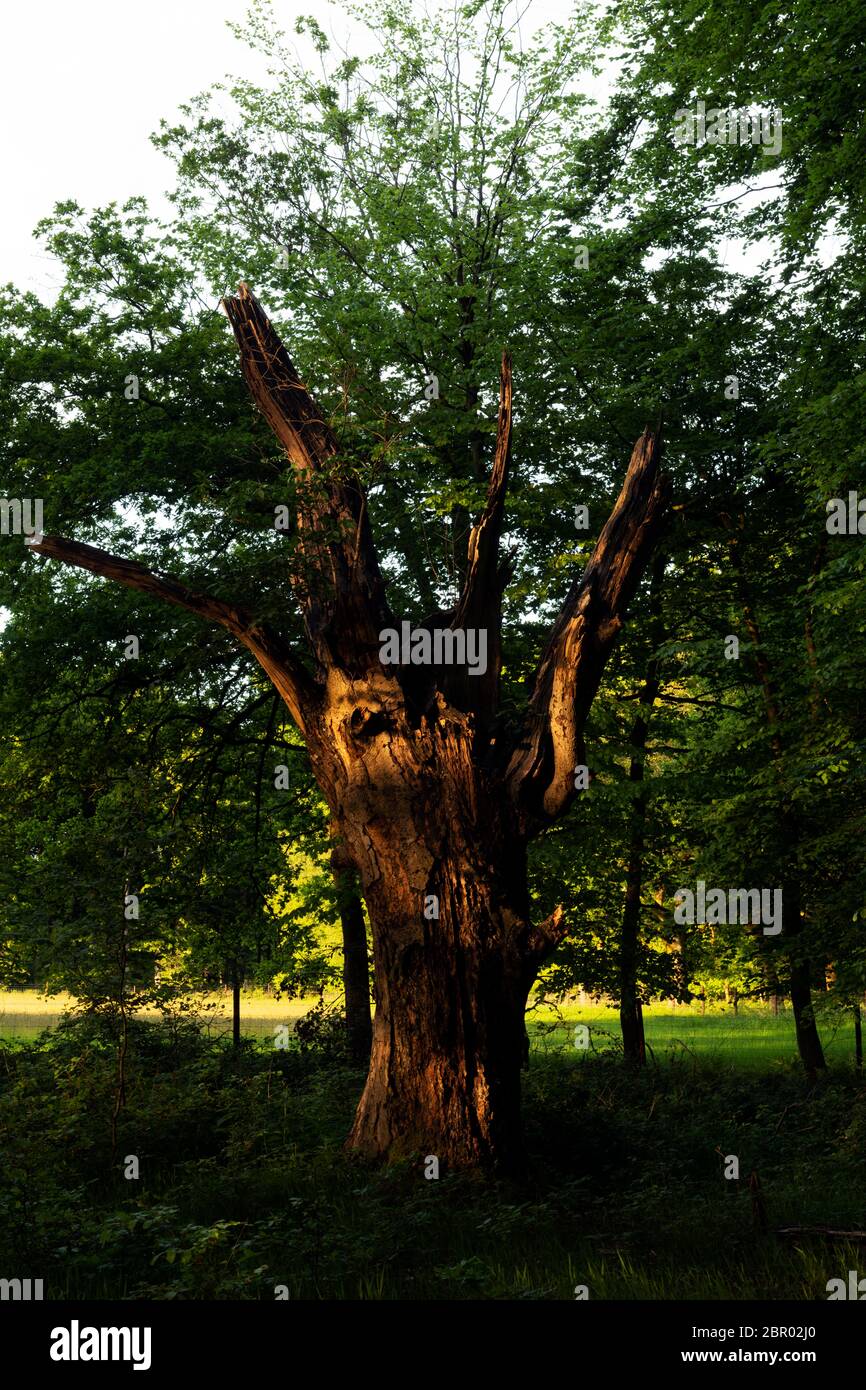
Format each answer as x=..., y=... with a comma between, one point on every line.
x=430, y=800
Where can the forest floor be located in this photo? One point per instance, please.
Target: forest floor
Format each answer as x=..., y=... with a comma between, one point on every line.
x=678, y=1182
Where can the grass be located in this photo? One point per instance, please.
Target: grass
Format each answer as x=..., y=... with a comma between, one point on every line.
x=752, y=1039
x=24, y=1013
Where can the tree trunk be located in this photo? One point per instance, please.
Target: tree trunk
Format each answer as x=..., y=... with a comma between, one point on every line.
x=808, y=1040
x=356, y=967
x=356, y=981
x=631, y=1022
x=444, y=878
x=448, y=1041
x=236, y=1008
x=630, y=1011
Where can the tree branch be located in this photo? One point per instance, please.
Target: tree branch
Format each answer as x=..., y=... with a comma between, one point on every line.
x=343, y=599
x=544, y=937
x=480, y=603
x=541, y=771
x=290, y=677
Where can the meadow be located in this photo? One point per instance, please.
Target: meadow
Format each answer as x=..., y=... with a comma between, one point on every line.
x=24, y=1013
x=753, y=1038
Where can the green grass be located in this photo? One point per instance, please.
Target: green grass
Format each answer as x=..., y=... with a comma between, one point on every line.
x=752, y=1039
x=24, y=1013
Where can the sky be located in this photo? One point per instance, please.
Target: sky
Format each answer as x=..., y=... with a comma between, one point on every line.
x=85, y=83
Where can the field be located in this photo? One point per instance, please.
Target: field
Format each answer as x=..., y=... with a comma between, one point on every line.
x=24, y=1013
x=752, y=1039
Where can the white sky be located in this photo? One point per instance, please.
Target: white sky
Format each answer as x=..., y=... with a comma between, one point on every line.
x=85, y=83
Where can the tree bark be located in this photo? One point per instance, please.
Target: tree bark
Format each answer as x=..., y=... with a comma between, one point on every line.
x=443, y=869
x=630, y=1013
x=808, y=1039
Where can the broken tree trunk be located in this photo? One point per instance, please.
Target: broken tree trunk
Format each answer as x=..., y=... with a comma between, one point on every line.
x=433, y=808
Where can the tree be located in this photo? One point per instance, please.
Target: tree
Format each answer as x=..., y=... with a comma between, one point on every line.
x=419, y=229
x=433, y=803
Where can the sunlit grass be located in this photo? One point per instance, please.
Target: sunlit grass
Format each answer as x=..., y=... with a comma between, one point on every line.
x=24, y=1012
x=753, y=1037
